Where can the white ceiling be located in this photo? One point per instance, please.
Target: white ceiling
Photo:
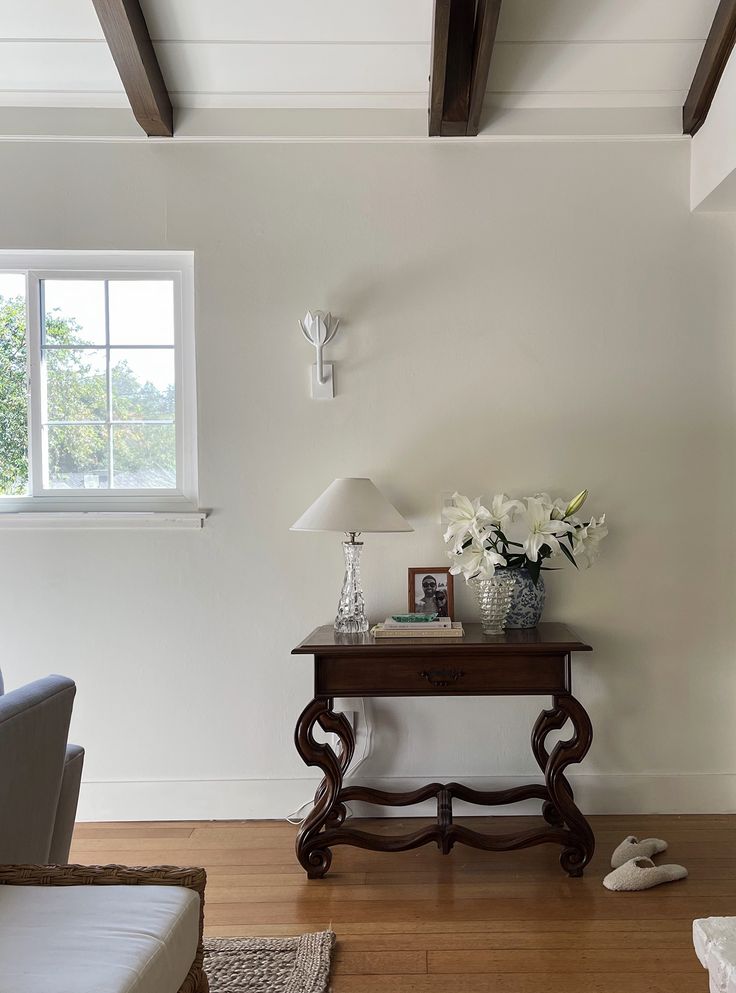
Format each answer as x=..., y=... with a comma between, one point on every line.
x=356, y=53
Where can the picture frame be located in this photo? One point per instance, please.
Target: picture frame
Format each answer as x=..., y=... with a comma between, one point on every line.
x=428, y=583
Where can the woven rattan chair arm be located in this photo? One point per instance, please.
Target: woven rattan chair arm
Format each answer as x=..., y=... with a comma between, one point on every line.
x=103, y=875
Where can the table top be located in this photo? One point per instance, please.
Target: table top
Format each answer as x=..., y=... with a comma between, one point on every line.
x=545, y=639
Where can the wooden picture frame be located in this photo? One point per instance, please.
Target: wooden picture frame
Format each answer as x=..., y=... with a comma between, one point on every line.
x=418, y=591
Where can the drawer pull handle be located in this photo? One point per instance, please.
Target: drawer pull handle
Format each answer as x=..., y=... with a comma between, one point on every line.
x=442, y=677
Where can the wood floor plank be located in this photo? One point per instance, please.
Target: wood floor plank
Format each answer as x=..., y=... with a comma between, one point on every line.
x=522, y=983
x=432, y=934
x=618, y=960
x=109, y=832
x=352, y=911
x=223, y=882
x=345, y=888
x=388, y=963
x=602, y=941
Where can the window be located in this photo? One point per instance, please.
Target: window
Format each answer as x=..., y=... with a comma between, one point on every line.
x=97, y=396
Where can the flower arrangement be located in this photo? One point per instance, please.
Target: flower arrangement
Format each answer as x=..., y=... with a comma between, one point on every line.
x=478, y=540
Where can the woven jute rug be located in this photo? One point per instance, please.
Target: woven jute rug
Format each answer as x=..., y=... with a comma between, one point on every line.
x=269, y=965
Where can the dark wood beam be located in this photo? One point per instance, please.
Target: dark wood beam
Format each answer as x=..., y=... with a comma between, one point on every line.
x=440, y=37
x=718, y=47
x=130, y=43
x=486, y=23
x=463, y=34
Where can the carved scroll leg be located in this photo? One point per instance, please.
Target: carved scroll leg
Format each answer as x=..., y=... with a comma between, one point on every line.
x=576, y=855
x=312, y=853
x=339, y=725
x=549, y=720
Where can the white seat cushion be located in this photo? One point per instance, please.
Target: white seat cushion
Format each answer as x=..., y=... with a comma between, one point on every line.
x=96, y=939
x=715, y=944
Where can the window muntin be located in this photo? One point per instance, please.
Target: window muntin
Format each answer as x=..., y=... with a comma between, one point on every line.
x=109, y=357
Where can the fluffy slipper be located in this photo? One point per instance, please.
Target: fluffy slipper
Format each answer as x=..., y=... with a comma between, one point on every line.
x=631, y=848
x=642, y=874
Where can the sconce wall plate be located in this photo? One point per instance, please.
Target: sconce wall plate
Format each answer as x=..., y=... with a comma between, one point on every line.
x=325, y=390
x=319, y=329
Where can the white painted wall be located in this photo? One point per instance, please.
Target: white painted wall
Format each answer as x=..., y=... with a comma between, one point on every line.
x=517, y=316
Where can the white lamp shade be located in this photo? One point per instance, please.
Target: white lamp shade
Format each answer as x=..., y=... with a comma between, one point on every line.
x=351, y=505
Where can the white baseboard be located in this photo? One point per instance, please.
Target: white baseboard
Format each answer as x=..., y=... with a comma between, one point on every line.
x=255, y=799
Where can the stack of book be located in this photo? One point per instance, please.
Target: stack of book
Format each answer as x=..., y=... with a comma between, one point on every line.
x=414, y=626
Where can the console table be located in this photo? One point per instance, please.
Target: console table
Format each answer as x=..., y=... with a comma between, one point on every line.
x=532, y=662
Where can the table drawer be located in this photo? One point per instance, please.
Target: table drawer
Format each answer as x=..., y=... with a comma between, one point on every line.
x=450, y=675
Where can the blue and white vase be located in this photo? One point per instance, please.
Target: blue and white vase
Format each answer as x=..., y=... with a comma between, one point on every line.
x=527, y=600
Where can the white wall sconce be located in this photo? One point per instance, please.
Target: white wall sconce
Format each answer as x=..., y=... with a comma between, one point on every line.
x=319, y=329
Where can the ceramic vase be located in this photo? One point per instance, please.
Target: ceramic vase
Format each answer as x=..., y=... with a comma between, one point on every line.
x=527, y=600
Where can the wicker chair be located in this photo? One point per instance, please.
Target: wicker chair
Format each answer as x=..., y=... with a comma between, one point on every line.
x=34, y=723
x=121, y=875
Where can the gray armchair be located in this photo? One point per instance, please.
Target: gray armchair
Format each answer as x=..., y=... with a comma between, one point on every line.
x=124, y=930
x=39, y=773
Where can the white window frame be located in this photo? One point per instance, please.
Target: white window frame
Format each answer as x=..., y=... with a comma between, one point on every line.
x=124, y=504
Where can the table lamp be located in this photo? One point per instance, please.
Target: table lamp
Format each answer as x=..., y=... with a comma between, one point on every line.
x=353, y=506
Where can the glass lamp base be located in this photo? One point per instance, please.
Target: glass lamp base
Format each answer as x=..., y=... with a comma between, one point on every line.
x=351, y=617
x=351, y=625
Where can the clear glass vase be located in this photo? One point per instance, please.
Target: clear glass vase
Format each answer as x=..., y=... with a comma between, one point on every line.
x=351, y=617
x=494, y=599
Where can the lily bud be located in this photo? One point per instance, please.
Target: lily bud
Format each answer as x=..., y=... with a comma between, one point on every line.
x=576, y=503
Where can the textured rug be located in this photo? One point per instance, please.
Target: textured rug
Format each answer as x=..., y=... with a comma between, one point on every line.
x=269, y=965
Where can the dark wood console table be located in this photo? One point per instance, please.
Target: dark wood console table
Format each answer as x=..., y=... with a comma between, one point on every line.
x=520, y=662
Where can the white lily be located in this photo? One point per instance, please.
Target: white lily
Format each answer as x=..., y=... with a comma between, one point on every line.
x=476, y=562
x=558, y=509
x=504, y=511
x=466, y=519
x=587, y=538
x=542, y=529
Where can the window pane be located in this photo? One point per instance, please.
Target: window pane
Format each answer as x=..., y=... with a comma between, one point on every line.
x=76, y=384
x=13, y=386
x=77, y=456
x=74, y=311
x=142, y=384
x=141, y=312
x=144, y=456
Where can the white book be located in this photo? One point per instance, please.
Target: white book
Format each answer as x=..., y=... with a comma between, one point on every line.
x=442, y=633
x=441, y=622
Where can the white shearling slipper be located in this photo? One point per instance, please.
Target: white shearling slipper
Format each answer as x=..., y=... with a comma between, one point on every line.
x=642, y=874
x=631, y=848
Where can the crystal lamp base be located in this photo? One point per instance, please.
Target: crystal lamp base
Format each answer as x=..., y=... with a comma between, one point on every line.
x=351, y=617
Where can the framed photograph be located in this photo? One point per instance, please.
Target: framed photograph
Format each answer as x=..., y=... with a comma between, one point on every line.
x=431, y=591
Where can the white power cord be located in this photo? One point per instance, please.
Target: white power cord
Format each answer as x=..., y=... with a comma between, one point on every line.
x=298, y=815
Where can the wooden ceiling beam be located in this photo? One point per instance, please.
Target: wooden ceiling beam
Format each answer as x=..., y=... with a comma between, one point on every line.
x=486, y=23
x=127, y=36
x=463, y=35
x=718, y=47
x=440, y=39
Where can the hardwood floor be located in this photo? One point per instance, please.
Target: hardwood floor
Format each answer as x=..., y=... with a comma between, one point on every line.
x=470, y=922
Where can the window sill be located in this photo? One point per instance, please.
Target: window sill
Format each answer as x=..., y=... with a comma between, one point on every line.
x=103, y=519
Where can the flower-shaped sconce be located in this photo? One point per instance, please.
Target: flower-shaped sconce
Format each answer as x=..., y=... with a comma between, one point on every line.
x=319, y=329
